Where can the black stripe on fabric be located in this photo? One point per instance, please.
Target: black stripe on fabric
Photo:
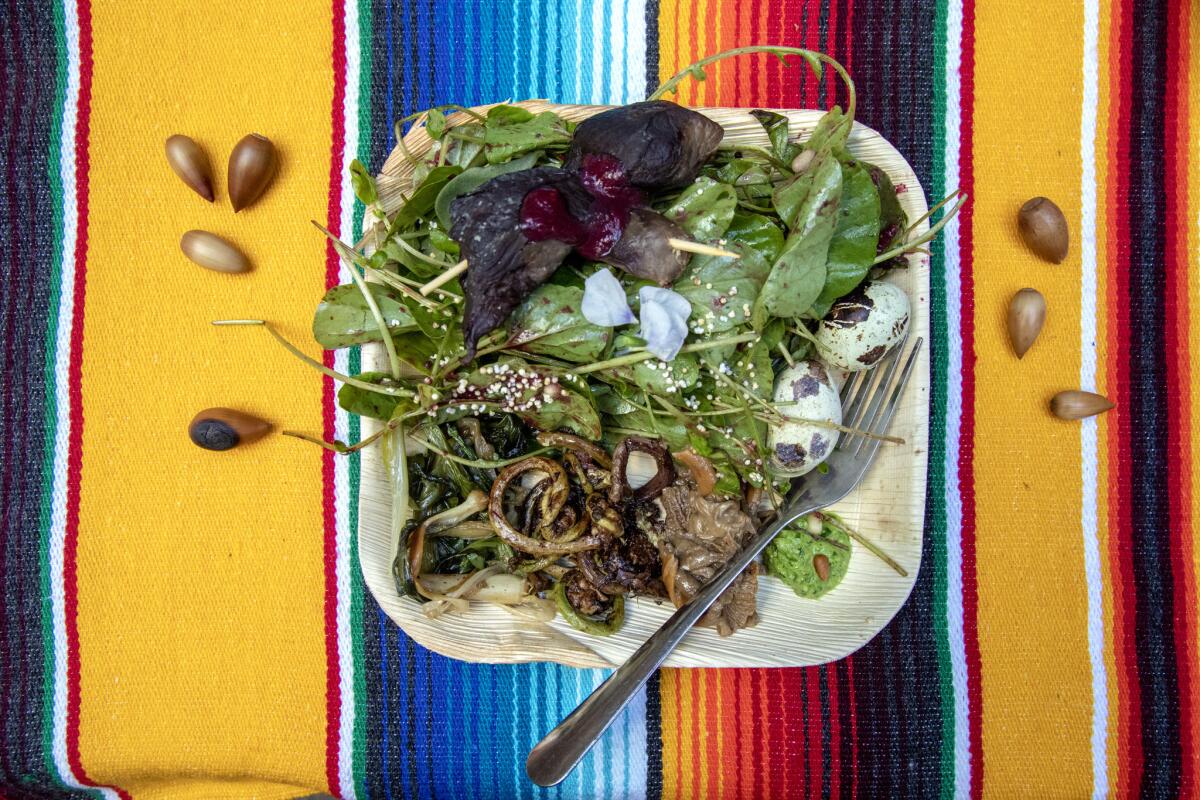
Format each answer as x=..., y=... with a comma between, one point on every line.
x=654, y=744
x=838, y=50
x=826, y=733
x=897, y=695
x=651, y=46
x=376, y=699
x=28, y=74
x=410, y=715
x=428, y=723
x=846, y=742
x=1151, y=537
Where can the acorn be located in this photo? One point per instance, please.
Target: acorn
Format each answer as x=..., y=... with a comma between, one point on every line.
x=1026, y=314
x=1076, y=404
x=212, y=252
x=190, y=164
x=1044, y=229
x=821, y=565
x=251, y=168
x=224, y=428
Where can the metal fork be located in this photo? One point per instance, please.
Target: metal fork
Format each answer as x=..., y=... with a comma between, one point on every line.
x=869, y=401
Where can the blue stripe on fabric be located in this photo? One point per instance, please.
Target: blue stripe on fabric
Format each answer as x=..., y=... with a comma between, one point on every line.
x=468, y=727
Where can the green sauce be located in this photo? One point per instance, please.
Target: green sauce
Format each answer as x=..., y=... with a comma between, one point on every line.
x=789, y=557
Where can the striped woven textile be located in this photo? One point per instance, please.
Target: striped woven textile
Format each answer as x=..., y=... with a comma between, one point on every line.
x=180, y=624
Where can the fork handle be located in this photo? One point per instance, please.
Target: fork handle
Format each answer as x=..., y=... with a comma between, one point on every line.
x=560, y=750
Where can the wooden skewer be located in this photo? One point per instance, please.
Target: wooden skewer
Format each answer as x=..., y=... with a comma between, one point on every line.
x=688, y=246
x=445, y=277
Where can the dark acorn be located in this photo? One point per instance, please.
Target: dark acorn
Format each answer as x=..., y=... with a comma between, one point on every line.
x=224, y=428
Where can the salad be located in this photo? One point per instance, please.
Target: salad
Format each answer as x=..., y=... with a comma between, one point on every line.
x=611, y=344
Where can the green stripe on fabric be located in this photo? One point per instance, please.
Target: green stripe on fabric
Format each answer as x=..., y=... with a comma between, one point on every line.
x=362, y=147
x=937, y=407
x=54, y=178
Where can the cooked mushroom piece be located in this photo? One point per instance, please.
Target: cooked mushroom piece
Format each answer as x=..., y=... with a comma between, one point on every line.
x=661, y=145
x=662, y=478
x=504, y=264
x=643, y=250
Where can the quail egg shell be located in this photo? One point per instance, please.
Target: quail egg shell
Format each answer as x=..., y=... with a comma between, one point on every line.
x=863, y=326
x=806, y=391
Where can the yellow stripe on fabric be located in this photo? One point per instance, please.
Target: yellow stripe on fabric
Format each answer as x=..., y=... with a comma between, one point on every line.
x=1192, y=140
x=201, y=590
x=1036, y=679
x=1105, y=431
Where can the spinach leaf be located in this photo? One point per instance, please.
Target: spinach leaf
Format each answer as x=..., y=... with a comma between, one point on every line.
x=370, y=404
x=720, y=290
x=776, y=126
x=669, y=429
x=471, y=179
x=661, y=377
x=809, y=204
x=363, y=183
x=893, y=220
x=545, y=398
x=464, y=143
x=416, y=350
x=420, y=203
x=505, y=137
x=550, y=322
x=442, y=242
x=435, y=123
x=756, y=232
x=704, y=209
x=502, y=114
x=852, y=247
x=751, y=179
x=343, y=318
x=831, y=133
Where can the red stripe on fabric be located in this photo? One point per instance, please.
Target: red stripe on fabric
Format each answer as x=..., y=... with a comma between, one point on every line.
x=966, y=458
x=1129, y=699
x=812, y=41
x=776, y=784
x=758, y=701
x=333, y=696
x=813, y=717
x=853, y=726
x=1176, y=314
x=831, y=45
x=835, y=732
x=75, y=401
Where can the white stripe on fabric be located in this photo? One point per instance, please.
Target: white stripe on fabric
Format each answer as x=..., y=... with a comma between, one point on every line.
x=1087, y=380
x=341, y=466
x=616, y=50
x=578, y=96
x=62, y=367
x=598, y=67
x=954, y=309
x=635, y=47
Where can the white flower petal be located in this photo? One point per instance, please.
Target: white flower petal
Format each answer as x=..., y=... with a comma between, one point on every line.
x=604, y=301
x=674, y=302
x=663, y=330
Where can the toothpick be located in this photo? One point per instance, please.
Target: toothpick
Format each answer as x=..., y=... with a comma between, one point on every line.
x=688, y=246
x=445, y=277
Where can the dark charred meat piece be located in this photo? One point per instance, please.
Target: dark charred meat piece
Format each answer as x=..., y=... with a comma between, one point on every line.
x=643, y=251
x=583, y=596
x=661, y=145
x=699, y=537
x=504, y=265
x=665, y=476
x=630, y=564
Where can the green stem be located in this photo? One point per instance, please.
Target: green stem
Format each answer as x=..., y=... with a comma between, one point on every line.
x=352, y=258
x=813, y=58
x=865, y=542
x=422, y=256
x=928, y=236
x=646, y=355
x=391, y=391
x=783, y=166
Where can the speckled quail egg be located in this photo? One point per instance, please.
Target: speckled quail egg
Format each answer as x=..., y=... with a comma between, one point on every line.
x=807, y=391
x=863, y=326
